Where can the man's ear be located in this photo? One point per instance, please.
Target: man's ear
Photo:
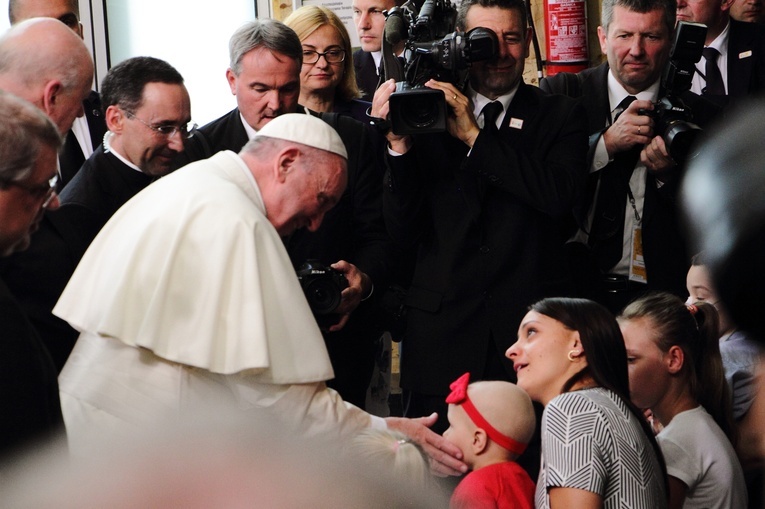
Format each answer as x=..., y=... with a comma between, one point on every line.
x=231, y=78
x=602, y=35
x=674, y=359
x=285, y=162
x=527, y=43
x=52, y=96
x=725, y=5
x=115, y=119
x=480, y=441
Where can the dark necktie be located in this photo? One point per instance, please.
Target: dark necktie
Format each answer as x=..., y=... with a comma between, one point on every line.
x=608, y=222
x=714, y=78
x=490, y=113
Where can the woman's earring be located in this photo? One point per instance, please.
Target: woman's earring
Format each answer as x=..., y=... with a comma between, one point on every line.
x=573, y=354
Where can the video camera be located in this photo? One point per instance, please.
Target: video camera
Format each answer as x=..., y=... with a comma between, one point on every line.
x=672, y=118
x=432, y=51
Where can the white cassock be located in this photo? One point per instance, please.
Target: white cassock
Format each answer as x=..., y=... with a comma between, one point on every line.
x=188, y=295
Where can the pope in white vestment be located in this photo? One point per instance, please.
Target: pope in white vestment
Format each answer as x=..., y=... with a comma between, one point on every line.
x=188, y=295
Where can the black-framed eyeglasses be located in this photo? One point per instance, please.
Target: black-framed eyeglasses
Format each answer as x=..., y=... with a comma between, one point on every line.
x=333, y=56
x=44, y=192
x=168, y=130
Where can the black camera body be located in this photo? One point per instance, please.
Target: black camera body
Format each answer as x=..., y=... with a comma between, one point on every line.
x=322, y=286
x=673, y=120
x=431, y=52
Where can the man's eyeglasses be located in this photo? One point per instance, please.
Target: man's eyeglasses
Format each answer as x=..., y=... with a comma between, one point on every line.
x=44, y=192
x=186, y=131
x=333, y=56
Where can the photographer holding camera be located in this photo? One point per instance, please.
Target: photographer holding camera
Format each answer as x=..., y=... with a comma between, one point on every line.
x=629, y=241
x=485, y=204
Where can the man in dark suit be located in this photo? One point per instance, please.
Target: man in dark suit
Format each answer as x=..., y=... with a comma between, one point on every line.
x=370, y=22
x=147, y=111
x=485, y=204
x=88, y=131
x=733, y=65
x=29, y=402
x=352, y=236
x=629, y=240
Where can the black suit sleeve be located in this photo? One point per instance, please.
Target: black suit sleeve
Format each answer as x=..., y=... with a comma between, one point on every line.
x=29, y=401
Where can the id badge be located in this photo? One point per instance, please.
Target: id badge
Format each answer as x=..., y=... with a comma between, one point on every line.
x=637, y=263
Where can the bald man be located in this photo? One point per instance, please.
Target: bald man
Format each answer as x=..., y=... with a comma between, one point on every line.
x=88, y=131
x=44, y=62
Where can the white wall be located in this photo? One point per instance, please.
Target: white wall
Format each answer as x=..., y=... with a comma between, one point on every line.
x=192, y=35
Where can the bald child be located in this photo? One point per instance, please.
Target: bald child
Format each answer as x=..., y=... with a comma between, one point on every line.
x=491, y=422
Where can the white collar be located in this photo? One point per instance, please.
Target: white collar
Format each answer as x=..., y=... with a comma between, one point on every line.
x=108, y=148
x=248, y=128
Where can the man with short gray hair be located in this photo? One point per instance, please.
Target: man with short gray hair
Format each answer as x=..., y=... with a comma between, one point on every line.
x=29, y=143
x=264, y=75
x=628, y=242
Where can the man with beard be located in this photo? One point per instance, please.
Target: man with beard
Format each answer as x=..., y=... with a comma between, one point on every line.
x=629, y=242
x=29, y=143
x=147, y=113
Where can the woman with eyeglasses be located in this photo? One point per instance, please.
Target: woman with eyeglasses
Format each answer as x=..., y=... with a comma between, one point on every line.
x=327, y=79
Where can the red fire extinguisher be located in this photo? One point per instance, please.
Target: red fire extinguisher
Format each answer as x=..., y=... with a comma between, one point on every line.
x=566, y=36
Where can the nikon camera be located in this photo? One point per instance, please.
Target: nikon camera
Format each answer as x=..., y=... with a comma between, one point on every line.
x=673, y=120
x=322, y=286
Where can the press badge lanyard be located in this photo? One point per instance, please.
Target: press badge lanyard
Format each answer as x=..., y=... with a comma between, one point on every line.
x=637, y=262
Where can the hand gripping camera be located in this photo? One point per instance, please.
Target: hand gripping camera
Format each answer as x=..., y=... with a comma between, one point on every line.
x=672, y=118
x=322, y=287
x=431, y=52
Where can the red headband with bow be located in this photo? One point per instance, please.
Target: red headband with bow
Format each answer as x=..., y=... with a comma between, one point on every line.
x=459, y=396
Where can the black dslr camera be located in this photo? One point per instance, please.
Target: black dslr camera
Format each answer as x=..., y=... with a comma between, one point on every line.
x=672, y=118
x=322, y=287
x=432, y=51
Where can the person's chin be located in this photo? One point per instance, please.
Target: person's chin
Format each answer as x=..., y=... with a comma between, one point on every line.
x=370, y=45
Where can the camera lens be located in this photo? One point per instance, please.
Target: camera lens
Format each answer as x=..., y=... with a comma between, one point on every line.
x=420, y=112
x=680, y=137
x=323, y=296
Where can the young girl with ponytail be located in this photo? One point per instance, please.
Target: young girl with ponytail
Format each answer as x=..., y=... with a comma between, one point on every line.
x=675, y=370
